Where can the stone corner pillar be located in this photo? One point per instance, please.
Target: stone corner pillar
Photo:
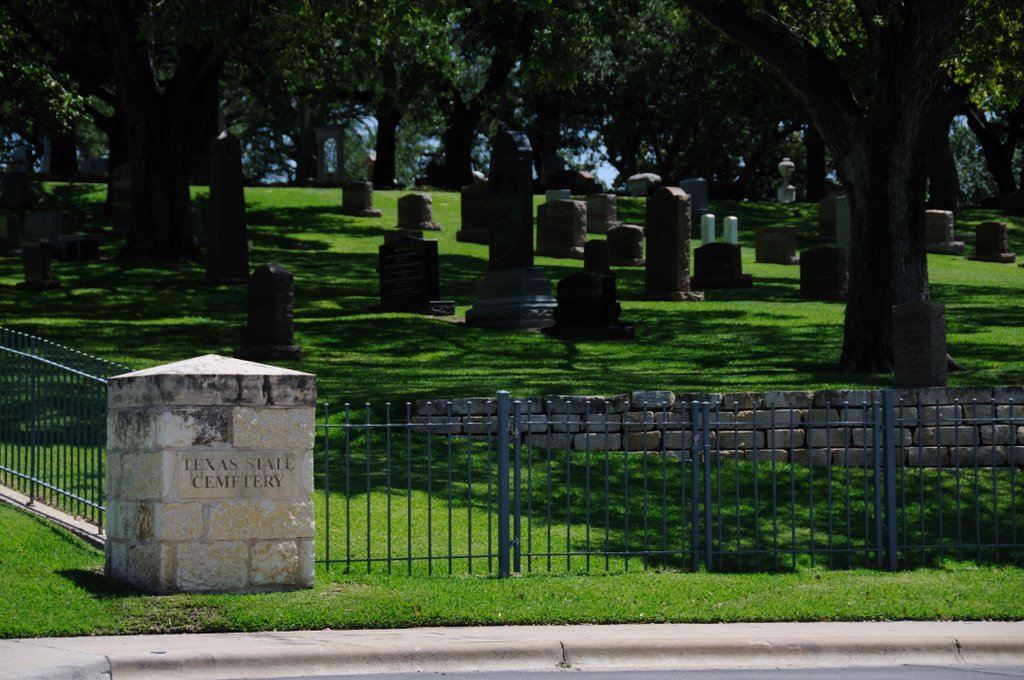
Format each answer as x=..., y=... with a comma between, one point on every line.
x=210, y=477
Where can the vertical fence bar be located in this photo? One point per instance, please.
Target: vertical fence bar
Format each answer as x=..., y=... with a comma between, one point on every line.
x=517, y=505
x=696, y=446
x=876, y=468
x=503, y=490
x=889, y=439
x=706, y=446
x=327, y=485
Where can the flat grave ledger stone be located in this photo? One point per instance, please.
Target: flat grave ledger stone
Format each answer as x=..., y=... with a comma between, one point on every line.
x=410, y=277
x=602, y=213
x=719, y=266
x=561, y=228
x=824, y=273
x=626, y=245
x=731, y=230
x=475, y=206
x=416, y=211
x=46, y=225
x=37, y=259
x=210, y=477
x=697, y=189
x=919, y=345
x=121, y=198
x=707, y=228
x=667, y=274
x=513, y=294
x=587, y=307
x=990, y=243
x=269, y=332
x=844, y=221
x=357, y=200
x=557, y=195
x=939, y=232
x=227, y=252
x=10, y=234
x=776, y=245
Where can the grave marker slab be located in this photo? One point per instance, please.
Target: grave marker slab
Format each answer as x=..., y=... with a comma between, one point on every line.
x=719, y=266
x=227, y=253
x=919, y=345
x=991, y=244
x=776, y=245
x=940, y=236
x=587, y=308
x=357, y=200
x=642, y=184
x=410, y=277
x=561, y=229
x=269, y=332
x=824, y=274
x=697, y=189
x=48, y=226
x=513, y=294
x=475, y=206
x=416, y=211
x=626, y=245
x=37, y=258
x=602, y=213
x=667, y=274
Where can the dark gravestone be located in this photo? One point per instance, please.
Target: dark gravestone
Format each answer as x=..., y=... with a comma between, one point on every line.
x=357, y=199
x=824, y=274
x=121, y=198
x=475, y=206
x=410, y=278
x=270, y=330
x=939, y=233
x=626, y=245
x=919, y=345
x=719, y=266
x=587, y=309
x=38, y=273
x=227, y=256
x=775, y=245
x=10, y=234
x=47, y=225
x=697, y=189
x=602, y=213
x=416, y=211
x=667, y=275
x=14, y=190
x=513, y=293
x=990, y=243
x=561, y=228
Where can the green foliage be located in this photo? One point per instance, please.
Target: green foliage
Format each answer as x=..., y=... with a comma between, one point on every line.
x=976, y=183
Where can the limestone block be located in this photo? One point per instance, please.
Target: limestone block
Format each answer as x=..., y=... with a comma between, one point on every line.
x=147, y=565
x=1005, y=412
x=745, y=419
x=436, y=425
x=946, y=436
x=785, y=439
x=1004, y=394
x=738, y=401
x=995, y=433
x=907, y=415
x=819, y=437
x=653, y=399
x=563, y=404
x=218, y=566
x=727, y=440
x=927, y=456
x=130, y=430
x=141, y=476
x=307, y=563
x=982, y=456
x=979, y=411
x=550, y=440
x=815, y=457
x=457, y=407
x=641, y=420
x=180, y=521
x=481, y=425
x=678, y=440
x=599, y=424
x=643, y=441
x=275, y=563
x=268, y=429
x=765, y=455
x=241, y=520
x=597, y=442
x=865, y=436
x=560, y=422
x=787, y=400
x=824, y=416
x=838, y=398
x=946, y=414
x=533, y=423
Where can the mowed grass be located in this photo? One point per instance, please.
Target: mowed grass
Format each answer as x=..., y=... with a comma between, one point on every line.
x=51, y=584
x=759, y=339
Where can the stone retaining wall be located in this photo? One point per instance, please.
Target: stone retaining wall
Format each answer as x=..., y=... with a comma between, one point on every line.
x=932, y=426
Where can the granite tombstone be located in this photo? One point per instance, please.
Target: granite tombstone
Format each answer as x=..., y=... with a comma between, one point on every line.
x=667, y=274
x=227, y=254
x=270, y=328
x=919, y=345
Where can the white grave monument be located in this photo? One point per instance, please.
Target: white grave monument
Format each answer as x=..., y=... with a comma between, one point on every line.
x=786, y=191
x=707, y=228
x=731, y=230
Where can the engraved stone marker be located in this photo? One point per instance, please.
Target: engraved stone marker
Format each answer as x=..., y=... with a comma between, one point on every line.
x=667, y=275
x=269, y=332
x=919, y=345
x=561, y=228
x=697, y=188
x=823, y=273
x=227, y=255
x=416, y=211
x=991, y=244
x=626, y=245
x=731, y=230
x=513, y=293
x=707, y=228
x=37, y=259
x=939, y=233
x=602, y=213
x=776, y=245
x=475, y=206
x=210, y=477
x=357, y=199
x=410, y=279
x=718, y=266
x=587, y=309
x=47, y=225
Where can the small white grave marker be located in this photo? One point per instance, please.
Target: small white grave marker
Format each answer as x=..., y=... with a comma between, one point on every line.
x=731, y=229
x=707, y=228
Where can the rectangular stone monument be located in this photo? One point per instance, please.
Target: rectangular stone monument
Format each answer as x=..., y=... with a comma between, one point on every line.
x=38, y=259
x=475, y=204
x=667, y=275
x=210, y=477
x=587, y=308
x=561, y=229
x=707, y=228
x=626, y=245
x=602, y=213
x=919, y=345
x=558, y=195
x=697, y=188
x=410, y=278
x=824, y=274
x=269, y=332
x=46, y=225
x=513, y=294
x=940, y=236
x=416, y=211
x=357, y=200
x=121, y=198
x=227, y=253
x=776, y=245
x=719, y=266
x=990, y=243
x=10, y=234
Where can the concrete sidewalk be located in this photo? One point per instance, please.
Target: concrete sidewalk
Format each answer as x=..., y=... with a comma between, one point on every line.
x=535, y=648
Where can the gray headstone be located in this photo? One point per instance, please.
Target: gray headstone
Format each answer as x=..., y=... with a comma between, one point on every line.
x=602, y=213
x=416, y=211
x=719, y=266
x=357, y=200
x=269, y=331
x=626, y=245
x=561, y=228
x=667, y=275
x=919, y=345
x=940, y=234
x=597, y=257
x=37, y=259
x=475, y=208
x=775, y=245
x=824, y=274
x=227, y=255
x=409, y=275
x=697, y=188
x=991, y=244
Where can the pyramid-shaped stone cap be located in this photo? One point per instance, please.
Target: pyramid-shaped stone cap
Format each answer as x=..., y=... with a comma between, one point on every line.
x=211, y=380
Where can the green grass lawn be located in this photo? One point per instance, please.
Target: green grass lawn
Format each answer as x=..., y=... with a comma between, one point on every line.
x=760, y=339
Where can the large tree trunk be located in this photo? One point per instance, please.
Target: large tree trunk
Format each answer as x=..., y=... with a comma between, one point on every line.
x=458, y=144
x=388, y=118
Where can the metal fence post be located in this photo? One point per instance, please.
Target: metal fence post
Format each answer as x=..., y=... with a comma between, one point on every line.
x=695, y=452
x=517, y=496
x=503, y=485
x=889, y=439
x=705, y=432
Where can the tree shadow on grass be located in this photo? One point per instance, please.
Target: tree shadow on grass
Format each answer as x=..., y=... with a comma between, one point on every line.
x=97, y=583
